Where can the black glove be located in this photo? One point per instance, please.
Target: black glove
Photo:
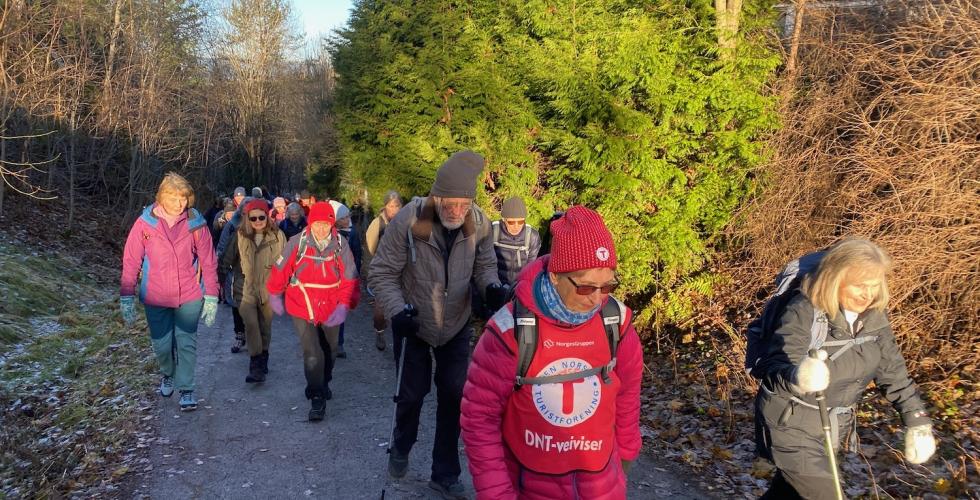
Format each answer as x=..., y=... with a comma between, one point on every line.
x=496, y=296
x=404, y=323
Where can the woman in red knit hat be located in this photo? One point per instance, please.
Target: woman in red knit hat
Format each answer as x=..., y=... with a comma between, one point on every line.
x=316, y=272
x=551, y=409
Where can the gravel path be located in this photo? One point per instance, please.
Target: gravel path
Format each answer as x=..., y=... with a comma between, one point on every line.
x=254, y=441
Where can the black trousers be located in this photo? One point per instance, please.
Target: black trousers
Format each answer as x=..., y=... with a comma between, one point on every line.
x=239, y=322
x=452, y=360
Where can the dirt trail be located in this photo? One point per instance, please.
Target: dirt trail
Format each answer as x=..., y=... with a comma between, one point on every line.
x=254, y=441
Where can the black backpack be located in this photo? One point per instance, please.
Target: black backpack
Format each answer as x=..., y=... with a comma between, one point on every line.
x=761, y=329
x=526, y=335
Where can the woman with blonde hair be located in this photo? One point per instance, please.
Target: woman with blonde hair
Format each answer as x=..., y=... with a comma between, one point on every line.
x=251, y=254
x=848, y=291
x=169, y=256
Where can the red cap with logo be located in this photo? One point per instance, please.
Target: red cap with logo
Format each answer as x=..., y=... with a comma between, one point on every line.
x=321, y=211
x=580, y=240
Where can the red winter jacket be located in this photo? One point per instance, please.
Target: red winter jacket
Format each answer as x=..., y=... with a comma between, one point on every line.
x=490, y=382
x=332, y=268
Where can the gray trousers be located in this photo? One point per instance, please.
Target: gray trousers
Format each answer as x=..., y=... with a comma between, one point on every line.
x=319, y=344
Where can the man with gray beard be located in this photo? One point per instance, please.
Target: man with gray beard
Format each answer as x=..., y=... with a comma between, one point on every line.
x=430, y=252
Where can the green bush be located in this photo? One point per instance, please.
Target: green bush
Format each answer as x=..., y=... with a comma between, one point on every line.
x=626, y=107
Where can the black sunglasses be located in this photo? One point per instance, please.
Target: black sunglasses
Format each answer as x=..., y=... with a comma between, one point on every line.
x=256, y=218
x=589, y=289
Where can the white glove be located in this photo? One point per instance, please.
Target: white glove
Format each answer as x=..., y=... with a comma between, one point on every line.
x=812, y=375
x=919, y=444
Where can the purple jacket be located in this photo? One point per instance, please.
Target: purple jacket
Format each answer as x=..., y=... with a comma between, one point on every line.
x=173, y=265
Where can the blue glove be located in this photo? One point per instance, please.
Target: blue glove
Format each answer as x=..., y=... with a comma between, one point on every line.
x=209, y=310
x=127, y=306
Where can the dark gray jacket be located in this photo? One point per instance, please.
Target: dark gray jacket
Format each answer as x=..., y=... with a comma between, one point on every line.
x=514, y=252
x=880, y=361
x=438, y=287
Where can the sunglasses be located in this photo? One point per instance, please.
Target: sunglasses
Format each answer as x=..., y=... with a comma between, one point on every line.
x=257, y=218
x=589, y=289
x=518, y=222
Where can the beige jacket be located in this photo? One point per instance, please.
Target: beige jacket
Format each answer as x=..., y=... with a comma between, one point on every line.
x=256, y=263
x=438, y=288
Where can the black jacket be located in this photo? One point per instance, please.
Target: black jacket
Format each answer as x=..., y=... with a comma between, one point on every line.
x=880, y=361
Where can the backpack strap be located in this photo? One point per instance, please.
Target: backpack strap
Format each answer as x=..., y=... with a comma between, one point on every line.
x=818, y=329
x=496, y=231
x=526, y=335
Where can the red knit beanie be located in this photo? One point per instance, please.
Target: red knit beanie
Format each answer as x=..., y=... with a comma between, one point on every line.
x=580, y=240
x=256, y=204
x=321, y=211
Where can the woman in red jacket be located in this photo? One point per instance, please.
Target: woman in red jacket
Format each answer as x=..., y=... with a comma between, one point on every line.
x=317, y=274
x=568, y=425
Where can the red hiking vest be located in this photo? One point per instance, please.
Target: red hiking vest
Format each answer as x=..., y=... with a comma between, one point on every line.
x=556, y=428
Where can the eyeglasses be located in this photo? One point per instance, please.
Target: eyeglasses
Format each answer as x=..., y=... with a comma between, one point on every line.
x=257, y=218
x=589, y=289
x=514, y=222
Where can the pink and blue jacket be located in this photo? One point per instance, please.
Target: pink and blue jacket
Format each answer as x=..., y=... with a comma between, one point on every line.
x=490, y=382
x=171, y=265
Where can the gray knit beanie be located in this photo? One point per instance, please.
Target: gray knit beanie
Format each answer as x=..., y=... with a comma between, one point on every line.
x=457, y=176
x=513, y=208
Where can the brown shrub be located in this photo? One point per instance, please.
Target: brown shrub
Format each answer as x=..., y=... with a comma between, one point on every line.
x=881, y=139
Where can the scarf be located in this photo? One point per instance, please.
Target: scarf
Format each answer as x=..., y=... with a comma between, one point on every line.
x=550, y=303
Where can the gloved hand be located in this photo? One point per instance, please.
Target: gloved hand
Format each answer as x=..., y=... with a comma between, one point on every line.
x=338, y=315
x=812, y=375
x=496, y=296
x=275, y=302
x=209, y=310
x=627, y=465
x=127, y=306
x=919, y=443
x=404, y=323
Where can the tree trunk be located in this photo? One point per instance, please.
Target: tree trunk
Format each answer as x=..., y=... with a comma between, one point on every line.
x=794, y=46
x=727, y=14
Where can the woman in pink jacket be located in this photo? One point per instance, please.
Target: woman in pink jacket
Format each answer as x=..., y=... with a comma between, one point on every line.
x=551, y=407
x=169, y=261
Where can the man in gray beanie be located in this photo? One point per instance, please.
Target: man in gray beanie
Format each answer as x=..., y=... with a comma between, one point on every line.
x=238, y=195
x=515, y=245
x=430, y=253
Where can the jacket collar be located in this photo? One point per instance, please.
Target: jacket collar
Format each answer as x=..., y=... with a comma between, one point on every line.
x=194, y=218
x=426, y=221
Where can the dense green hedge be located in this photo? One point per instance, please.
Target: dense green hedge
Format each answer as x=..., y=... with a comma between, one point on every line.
x=627, y=107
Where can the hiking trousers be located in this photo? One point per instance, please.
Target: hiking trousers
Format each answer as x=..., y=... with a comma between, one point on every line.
x=319, y=344
x=258, y=326
x=173, y=334
x=452, y=360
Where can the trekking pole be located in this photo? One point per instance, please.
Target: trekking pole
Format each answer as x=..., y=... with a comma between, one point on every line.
x=827, y=439
x=394, y=411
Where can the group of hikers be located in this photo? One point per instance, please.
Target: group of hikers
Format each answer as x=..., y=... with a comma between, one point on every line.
x=548, y=402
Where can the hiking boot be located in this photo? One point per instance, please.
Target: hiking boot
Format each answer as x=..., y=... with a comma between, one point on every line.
x=449, y=490
x=166, y=386
x=318, y=409
x=255, y=373
x=397, y=463
x=239, y=344
x=187, y=401
x=265, y=362
x=379, y=342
